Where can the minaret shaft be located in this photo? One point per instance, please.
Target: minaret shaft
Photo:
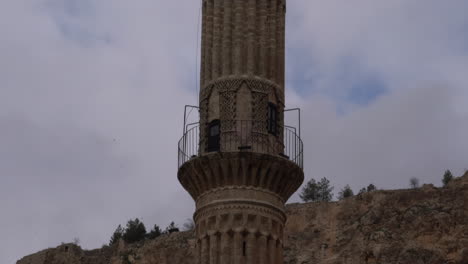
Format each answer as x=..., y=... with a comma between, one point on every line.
x=246, y=165
x=243, y=38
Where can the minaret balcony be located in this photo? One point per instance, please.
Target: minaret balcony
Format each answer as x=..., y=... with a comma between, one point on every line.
x=241, y=136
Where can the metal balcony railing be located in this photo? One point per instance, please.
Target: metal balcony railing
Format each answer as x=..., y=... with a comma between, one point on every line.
x=243, y=136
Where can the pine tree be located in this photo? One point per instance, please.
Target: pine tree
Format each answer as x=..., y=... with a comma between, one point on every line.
x=371, y=188
x=135, y=231
x=345, y=193
x=118, y=234
x=448, y=177
x=155, y=232
x=309, y=191
x=317, y=191
x=363, y=190
x=325, y=191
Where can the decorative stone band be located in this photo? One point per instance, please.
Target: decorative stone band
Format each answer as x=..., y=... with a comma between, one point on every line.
x=247, y=193
x=222, y=169
x=233, y=83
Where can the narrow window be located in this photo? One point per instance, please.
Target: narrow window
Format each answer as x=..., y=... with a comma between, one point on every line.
x=244, y=249
x=213, y=136
x=272, y=119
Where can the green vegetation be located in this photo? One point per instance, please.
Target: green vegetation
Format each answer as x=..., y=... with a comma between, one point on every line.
x=172, y=228
x=154, y=233
x=346, y=192
x=448, y=177
x=135, y=231
x=317, y=191
x=370, y=188
x=118, y=234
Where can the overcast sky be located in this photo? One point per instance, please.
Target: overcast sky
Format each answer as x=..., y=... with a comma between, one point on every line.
x=92, y=95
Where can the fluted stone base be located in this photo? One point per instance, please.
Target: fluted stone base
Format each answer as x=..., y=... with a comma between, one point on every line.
x=239, y=232
x=240, y=201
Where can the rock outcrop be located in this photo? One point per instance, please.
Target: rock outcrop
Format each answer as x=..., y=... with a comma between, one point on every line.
x=424, y=226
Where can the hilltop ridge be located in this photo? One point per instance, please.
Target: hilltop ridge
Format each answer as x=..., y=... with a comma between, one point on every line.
x=428, y=225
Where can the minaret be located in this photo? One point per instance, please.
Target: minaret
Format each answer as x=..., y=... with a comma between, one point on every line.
x=241, y=163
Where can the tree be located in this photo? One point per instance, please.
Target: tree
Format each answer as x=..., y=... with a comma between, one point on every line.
x=135, y=231
x=189, y=225
x=448, y=177
x=118, y=233
x=155, y=232
x=317, y=191
x=76, y=241
x=309, y=191
x=414, y=183
x=345, y=193
x=172, y=228
x=371, y=188
x=363, y=190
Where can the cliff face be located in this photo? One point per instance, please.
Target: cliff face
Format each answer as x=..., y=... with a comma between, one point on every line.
x=426, y=226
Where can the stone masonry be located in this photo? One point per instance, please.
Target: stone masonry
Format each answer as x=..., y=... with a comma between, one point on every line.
x=241, y=184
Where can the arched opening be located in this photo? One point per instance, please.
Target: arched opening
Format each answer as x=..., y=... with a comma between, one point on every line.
x=214, y=132
x=273, y=119
x=244, y=249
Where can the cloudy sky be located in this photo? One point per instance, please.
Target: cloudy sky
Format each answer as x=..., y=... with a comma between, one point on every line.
x=92, y=95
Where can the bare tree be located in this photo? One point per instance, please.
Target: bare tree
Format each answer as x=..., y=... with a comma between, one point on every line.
x=76, y=241
x=414, y=183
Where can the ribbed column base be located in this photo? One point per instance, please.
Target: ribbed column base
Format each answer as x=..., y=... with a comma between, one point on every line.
x=239, y=232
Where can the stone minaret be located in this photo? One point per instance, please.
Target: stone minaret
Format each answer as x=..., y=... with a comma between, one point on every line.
x=241, y=164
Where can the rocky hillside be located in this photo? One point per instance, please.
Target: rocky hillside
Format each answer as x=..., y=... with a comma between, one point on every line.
x=424, y=226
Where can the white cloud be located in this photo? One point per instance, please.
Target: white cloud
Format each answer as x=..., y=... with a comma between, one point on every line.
x=417, y=128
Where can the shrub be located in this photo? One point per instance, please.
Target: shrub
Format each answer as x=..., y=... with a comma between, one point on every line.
x=346, y=192
x=363, y=190
x=172, y=228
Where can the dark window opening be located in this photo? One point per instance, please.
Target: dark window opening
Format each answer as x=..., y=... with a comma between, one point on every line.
x=214, y=132
x=272, y=119
x=244, y=249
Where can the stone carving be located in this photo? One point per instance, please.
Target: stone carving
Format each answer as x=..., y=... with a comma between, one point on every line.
x=227, y=109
